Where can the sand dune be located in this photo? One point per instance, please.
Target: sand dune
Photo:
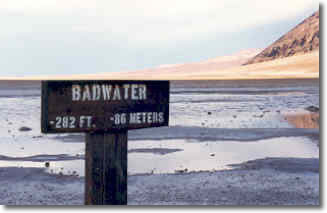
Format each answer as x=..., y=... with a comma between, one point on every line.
x=299, y=66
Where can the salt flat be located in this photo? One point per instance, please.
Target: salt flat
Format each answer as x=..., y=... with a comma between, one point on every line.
x=226, y=139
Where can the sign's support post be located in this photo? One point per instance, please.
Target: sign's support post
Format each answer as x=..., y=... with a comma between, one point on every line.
x=106, y=168
x=105, y=111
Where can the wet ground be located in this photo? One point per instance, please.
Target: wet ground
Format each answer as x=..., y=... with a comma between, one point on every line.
x=214, y=126
x=268, y=182
x=163, y=156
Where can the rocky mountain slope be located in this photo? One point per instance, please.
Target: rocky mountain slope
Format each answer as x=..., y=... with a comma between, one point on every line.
x=301, y=39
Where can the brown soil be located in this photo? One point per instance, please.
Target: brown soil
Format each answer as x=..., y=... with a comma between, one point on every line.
x=304, y=120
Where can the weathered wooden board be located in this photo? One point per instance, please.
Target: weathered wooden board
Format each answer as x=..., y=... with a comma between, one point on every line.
x=106, y=106
x=106, y=169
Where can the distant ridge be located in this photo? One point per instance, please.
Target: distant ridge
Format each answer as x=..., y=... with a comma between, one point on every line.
x=301, y=39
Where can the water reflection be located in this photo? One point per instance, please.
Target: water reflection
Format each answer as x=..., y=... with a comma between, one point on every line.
x=216, y=156
x=191, y=155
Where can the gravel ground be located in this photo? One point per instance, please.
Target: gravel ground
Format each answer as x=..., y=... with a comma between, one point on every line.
x=261, y=182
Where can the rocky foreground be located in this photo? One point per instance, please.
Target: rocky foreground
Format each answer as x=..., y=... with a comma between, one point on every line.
x=271, y=181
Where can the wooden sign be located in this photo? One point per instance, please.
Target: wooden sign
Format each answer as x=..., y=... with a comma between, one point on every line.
x=106, y=106
x=105, y=111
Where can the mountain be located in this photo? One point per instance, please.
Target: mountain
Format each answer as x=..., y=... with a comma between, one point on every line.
x=301, y=39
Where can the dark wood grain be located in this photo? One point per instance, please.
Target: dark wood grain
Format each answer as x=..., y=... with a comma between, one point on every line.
x=57, y=102
x=44, y=107
x=145, y=105
x=106, y=169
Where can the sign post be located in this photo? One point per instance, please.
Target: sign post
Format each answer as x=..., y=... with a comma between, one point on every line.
x=105, y=111
x=106, y=169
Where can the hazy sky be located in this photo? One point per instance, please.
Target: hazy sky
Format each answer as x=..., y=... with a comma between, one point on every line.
x=41, y=37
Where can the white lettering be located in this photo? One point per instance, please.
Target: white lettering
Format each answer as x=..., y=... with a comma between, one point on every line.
x=144, y=117
x=85, y=121
x=155, y=117
x=86, y=93
x=81, y=121
x=161, y=117
x=106, y=90
x=132, y=118
x=89, y=121
x=65, y=122
x=149, y=117
x=126, y=87
x=142, y=92
x=134, y=96
x=76, y=92
x=116, y=93
x=138, y=117
x=96, y=91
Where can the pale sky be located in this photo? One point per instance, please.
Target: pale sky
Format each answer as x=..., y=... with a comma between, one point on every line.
x=43, y=37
